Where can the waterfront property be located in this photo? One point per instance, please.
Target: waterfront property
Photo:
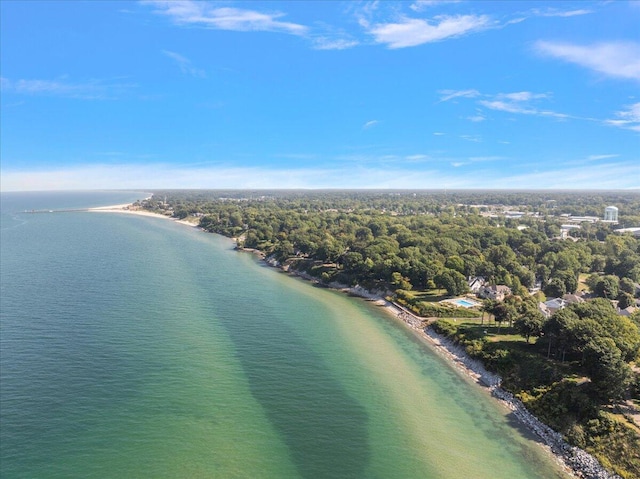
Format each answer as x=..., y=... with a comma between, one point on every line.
x=462, y=302
x=163, y=353
x=495, y=292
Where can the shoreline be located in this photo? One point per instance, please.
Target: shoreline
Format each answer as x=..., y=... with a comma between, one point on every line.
x=573, y=460
x=126, y=209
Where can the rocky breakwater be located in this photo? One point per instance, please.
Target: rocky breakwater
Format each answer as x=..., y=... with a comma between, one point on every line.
x=581, y=463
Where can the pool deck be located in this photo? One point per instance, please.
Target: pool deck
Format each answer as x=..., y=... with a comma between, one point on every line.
x=470, y=303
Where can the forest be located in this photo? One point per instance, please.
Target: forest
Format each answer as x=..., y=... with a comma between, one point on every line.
x=574, y=367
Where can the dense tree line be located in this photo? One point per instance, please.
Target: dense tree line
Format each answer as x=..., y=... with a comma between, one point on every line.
x=423, y=239
x=408, y=241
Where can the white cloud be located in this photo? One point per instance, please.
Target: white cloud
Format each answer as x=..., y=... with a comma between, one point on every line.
x=615, y=59
x=621, y=175
x=369, y=124
x=552, y=12
x=515, y=102
x=520, y=103
x=451, y=94
x=473, y=138
x=189, y=12
x=411, y=32
x=476, y=159
x=326, y=43
x=438, y=133
x=598, y=175
x=419, y=5
x=600, y=157
x=515, y=21
x=417, y=158
x=509, y=107
x=476, y=118
x=522, y=96
x=523, y=103
x=162, y=176
x=628, y=119
x=89, y=90
x=632, y=114
x=185, y=64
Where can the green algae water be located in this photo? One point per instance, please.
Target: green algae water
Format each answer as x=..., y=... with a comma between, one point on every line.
x=135, y=347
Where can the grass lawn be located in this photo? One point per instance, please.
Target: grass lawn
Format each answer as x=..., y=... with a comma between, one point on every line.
x=494, y=333
x=582, y=286
x=429, y=295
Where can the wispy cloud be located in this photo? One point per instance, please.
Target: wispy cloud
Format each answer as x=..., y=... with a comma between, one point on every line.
x=554, y=12
x=88, y=90
x=410, y=32
x=417, y=158
x=451, y=94
x=600, y=157
x=603, y=175
x=475, y=159
x=370, y=124
x=628, y=119
x=189, y=12
x=328, y=43
x=160, y=176
x=521, y=109
x=591, y=160
x=614, y=59
x=185, y=64
x=522, y=96
x=472, y=138
x=477, y=118
x=619, y=175
x=419, y=5
x=520, y=103
x=526, y=103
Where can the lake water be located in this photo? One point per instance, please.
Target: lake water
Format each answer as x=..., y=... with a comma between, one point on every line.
x=135, y=347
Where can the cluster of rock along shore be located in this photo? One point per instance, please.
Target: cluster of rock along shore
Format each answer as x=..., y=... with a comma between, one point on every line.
x=583, y=464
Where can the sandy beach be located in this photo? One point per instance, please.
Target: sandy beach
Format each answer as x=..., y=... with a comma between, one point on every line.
x=128, y=208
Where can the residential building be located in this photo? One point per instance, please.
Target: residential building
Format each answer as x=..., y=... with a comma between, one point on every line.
x=495, y=292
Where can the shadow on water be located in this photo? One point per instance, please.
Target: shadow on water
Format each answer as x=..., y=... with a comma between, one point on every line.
x=323, y=427
x=516, y=423
x=530, y=455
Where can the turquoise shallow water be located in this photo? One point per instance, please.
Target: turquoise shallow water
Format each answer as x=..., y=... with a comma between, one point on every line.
x=138, y=347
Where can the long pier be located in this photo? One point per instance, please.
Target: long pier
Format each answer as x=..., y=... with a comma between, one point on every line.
x=56, y=211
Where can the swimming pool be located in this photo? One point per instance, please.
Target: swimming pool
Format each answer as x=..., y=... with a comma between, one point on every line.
x=464, y=303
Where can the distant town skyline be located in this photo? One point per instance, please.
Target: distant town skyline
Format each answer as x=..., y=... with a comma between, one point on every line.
x=325, y=94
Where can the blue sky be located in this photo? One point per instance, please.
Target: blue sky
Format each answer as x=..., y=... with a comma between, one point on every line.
x=418, y=94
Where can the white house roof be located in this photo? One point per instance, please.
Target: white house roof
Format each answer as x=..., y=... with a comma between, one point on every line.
x=555, y=303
